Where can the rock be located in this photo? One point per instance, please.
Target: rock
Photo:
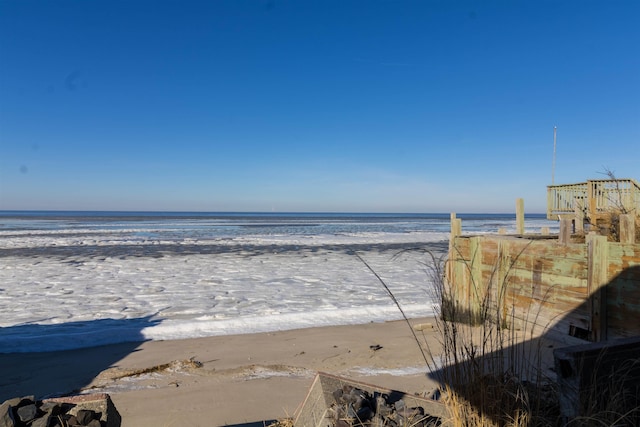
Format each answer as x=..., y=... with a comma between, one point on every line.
x=364, y=414
x=27, y=413
x=41, y=422
x=51, y=408
x=85, y=416
x=381, y=407
x=6, y=415
x=21, y=401
x=356, y=407
x=100, y=403
x=83, y=410
x=434, y=394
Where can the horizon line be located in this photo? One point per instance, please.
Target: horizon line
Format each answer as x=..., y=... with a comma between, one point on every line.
x=259, y=212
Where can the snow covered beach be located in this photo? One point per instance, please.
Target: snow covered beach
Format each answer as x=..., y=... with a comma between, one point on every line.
x=78, y=280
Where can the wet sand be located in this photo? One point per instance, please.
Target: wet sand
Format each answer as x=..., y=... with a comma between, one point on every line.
x=225, y=380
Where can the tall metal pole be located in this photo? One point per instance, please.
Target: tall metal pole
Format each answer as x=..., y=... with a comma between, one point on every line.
x=553, y=165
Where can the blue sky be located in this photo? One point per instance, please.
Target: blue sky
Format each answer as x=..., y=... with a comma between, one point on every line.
x=358, y=106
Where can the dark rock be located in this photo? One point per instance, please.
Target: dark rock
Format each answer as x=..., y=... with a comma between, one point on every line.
x=27, y=413
x=364, y=414
x=85, y=416
x=434, y=394
x=357, y=408
x=51, y=408
x=382, y=408
x=431, y=421
x=94, y=423
x=41, y=421
x=54, y=423
x=361, y=402
x=26, y=400
x=351, y=413
x=411, y=412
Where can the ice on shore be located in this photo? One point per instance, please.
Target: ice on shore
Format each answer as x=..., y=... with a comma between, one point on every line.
x=61, y=292
x=76, y=282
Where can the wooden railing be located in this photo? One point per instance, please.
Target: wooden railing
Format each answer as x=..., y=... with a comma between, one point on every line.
x=594, y=198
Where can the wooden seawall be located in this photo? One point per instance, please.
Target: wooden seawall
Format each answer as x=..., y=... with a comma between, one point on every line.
x=587, y=290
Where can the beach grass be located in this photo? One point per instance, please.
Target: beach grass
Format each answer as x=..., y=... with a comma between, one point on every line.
x=495, y=374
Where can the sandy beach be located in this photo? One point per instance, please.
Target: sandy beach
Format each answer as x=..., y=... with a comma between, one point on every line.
x=224, y=380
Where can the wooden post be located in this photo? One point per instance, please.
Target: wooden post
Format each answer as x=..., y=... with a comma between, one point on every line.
x=520, y=216
x=565, y=230
x=544, y=231
x=476, y=287
x=592, y=202
x=627, y=229
x=500, y=288
x=579, y=216
x=456, y=230
x=456, y=276
x=502, y=230
x=597, y=279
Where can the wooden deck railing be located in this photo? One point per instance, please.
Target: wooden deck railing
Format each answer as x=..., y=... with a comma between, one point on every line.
x=594, y=198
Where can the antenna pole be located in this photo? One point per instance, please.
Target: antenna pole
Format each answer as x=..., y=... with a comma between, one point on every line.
x=553, y=165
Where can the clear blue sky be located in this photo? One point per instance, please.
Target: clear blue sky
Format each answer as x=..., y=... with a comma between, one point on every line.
x=368, y=106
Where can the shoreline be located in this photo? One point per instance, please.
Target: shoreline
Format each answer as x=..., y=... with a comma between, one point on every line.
x=229, y=379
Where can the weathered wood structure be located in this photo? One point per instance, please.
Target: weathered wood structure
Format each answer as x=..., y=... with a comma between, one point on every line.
x=569, y=290
x=320, y=403
x=593, y=200
x=587, y=290
x=600, y=379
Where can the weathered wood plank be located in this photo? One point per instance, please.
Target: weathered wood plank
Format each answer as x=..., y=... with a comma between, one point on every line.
x=597, y=280
x=520, y=275
x=627, y=228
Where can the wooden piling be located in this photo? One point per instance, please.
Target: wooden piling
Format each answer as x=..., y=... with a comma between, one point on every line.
x=566, y=224
x=520, y=216
x=456, y=229
x=627, y=229
x=455, y=271
x=597, y=279
x=477, y=288
x=578, y=216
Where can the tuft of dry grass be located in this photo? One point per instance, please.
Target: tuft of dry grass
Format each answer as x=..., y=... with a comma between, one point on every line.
x=491, y=371
x=492, y=375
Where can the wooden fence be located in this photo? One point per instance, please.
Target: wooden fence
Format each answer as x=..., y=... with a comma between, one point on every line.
x=585, y=290
x=594, y=199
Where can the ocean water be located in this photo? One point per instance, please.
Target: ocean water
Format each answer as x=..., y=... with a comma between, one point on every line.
x=78, y=279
